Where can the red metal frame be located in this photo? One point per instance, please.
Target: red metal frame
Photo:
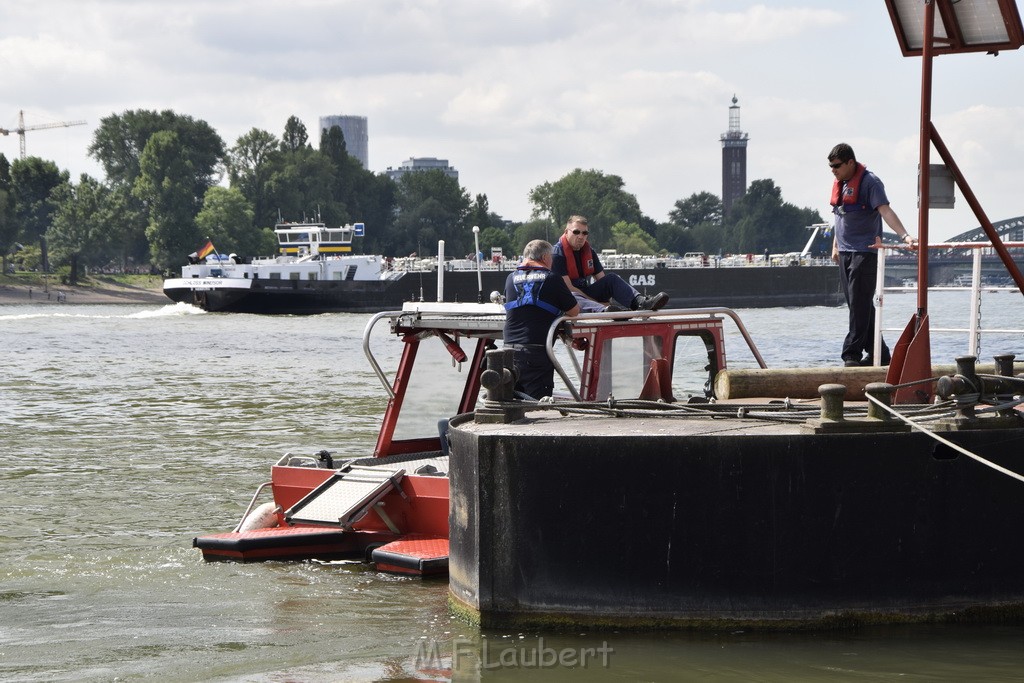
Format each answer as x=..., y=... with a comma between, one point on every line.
x=385, y=439
x=667, y=330
x=911, y=357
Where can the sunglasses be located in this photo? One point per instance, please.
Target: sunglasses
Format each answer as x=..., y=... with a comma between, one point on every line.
x=837, y=164
x=581, y=232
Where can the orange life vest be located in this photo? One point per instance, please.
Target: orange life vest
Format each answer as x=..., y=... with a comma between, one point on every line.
x=587, y=257
x=850, y=194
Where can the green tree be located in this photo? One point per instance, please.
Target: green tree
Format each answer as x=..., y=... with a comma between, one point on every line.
x=352, y=181
x=302, y=187
x=537, y=229
x=374, y=201
x=697, y=209
x=491, y=237
x=628, y=238
x=431, y=207
x=708, y=238
x=676, y=240
x=34, y=181
x=332, y=144
x=125, y=220
x=166, y=189
x=761, y=220
x=226, y=219
x=480, y=213
x=8, y=225
x=78, y=235
x=251, y=162
x=119, y=141
x=599, y=197
x=295, y=137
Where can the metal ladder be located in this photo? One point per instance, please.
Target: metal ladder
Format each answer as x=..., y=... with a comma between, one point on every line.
x=347, y=496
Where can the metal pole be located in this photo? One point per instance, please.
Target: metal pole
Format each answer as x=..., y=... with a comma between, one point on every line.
x=477, y=255
x=876, y=353
x=974, y=340
x=925, y=160
x=440, y=270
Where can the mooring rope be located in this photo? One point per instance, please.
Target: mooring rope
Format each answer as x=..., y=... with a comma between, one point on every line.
x=947, y=442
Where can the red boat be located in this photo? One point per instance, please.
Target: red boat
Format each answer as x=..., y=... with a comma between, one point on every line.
x=391, y=508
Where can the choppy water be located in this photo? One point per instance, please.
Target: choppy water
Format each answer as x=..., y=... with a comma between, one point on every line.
x=127, y=430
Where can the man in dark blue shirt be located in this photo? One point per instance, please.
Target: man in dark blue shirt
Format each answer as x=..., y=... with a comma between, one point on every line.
x=577, y=263
x=534, y=297
x=859, y=205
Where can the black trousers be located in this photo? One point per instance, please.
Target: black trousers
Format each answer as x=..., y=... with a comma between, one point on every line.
x=536, y=372
x=857, y=272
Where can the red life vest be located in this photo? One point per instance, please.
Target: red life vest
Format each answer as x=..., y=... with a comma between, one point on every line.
x=851, y=193
x=570, y=259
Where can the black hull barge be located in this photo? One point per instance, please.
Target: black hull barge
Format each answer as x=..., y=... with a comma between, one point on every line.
x=315, y=272
x=755, y=287
x=757, y=515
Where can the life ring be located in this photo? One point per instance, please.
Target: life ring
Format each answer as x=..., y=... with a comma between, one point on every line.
x=263, y=517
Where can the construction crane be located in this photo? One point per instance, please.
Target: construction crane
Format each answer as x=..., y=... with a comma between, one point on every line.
x=22, y=128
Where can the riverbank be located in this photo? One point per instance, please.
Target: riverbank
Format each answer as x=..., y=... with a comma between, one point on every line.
x=95, y=292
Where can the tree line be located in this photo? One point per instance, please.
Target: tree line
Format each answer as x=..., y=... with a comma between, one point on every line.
x=171, y=183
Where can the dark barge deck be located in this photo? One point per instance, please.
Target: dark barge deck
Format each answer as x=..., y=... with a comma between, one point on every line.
x=589, y=520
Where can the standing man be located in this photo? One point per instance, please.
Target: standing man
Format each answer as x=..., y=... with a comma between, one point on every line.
x=534, y=298
x=859, y=205
x=578, y=264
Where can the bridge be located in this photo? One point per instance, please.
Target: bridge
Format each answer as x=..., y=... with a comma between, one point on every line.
x=947, y=264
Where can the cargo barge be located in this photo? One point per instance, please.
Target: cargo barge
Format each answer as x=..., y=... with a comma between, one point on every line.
x=316, y=272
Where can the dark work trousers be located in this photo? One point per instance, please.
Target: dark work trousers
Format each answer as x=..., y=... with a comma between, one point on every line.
x=536, y=372
x=611, y=286
x=857, y=272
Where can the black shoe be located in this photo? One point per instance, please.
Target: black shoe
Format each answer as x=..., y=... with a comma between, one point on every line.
x=651, y=303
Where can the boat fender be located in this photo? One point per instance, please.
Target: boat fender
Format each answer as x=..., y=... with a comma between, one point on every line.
x=263, y=517
x=325, y=459
x=368, y=557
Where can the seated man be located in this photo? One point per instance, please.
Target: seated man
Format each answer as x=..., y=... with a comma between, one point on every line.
x=594, y=288
x=534, y=298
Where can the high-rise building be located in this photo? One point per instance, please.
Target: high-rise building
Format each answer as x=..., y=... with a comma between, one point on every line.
x=357, y=139
x=734, y=159
x=422, y=164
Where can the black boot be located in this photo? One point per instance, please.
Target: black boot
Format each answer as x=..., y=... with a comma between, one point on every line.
x=649, y=303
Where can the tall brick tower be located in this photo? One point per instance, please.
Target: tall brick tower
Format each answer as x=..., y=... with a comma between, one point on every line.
x=734, y=159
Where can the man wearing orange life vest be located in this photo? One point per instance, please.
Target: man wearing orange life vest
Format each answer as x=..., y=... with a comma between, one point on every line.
x=859, y=205
x=586, y=278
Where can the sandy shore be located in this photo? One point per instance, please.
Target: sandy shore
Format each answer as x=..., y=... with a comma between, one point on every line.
x=107, y=293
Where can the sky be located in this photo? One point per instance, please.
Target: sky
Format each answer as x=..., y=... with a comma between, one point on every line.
x=519, y=93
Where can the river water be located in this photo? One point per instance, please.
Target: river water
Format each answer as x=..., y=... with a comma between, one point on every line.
x=126, y=430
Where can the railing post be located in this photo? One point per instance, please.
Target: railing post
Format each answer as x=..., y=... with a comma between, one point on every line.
x=974, y=342
x=879, y=302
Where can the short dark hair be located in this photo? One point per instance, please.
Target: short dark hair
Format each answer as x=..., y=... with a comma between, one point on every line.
x=842, y=152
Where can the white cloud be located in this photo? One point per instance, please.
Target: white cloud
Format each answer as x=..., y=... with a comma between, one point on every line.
x=518, y=93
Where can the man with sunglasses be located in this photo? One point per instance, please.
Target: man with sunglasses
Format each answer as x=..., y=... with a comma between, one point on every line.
x=859, y=205
x=595, y=288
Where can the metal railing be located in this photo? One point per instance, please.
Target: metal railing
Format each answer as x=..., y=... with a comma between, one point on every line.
x=974, y=329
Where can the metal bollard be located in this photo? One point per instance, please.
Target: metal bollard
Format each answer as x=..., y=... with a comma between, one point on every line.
x=499, y=381
x=882, y=391
x=832, y=401
x=1004, y=364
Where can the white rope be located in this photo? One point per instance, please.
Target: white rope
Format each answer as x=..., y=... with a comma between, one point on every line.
x=947, y=442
